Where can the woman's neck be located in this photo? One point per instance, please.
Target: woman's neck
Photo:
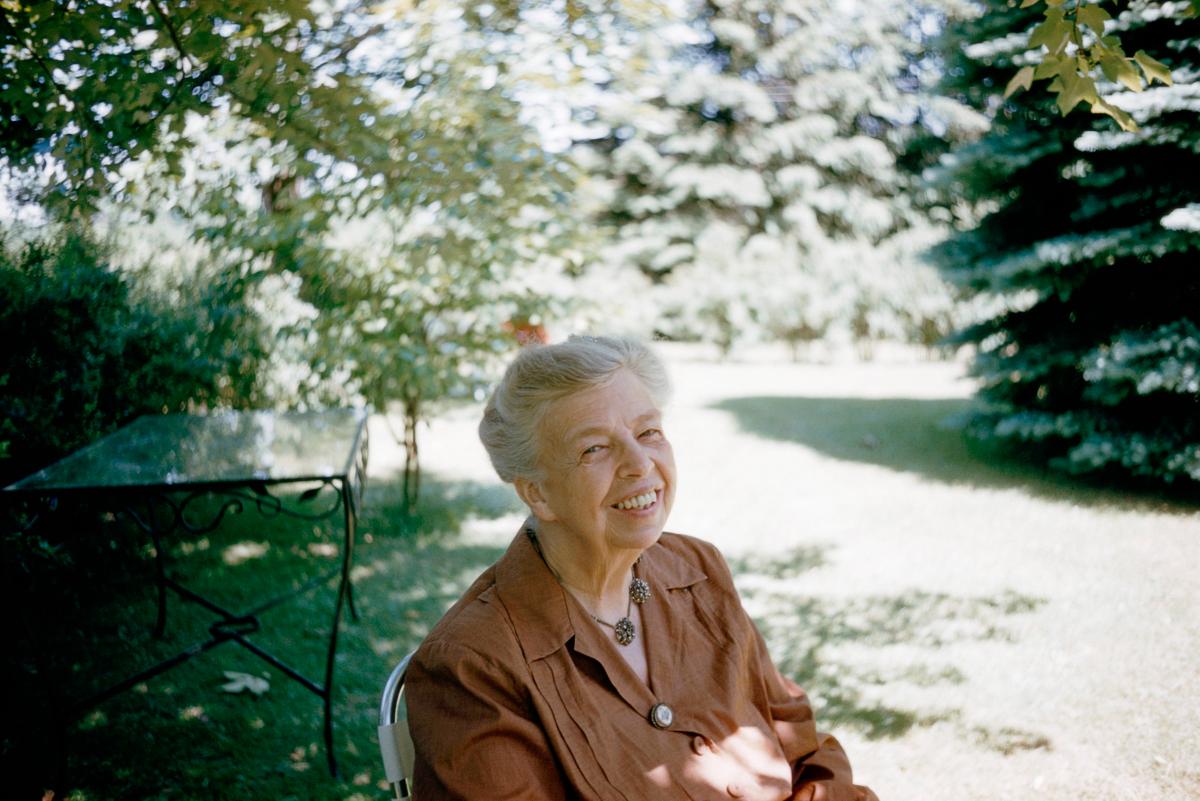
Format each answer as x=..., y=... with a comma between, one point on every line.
x=598, y=580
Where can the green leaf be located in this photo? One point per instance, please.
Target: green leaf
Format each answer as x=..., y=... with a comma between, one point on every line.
x=1092, y=16
x=1053, y=33
x=1076, y=89
x=1154, y=70
x=1101, y=106
x=1121, y=70
x=1022, y=80
x=1050, y=65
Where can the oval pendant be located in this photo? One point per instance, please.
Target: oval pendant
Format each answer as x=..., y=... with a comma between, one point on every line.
x=639, y=591
x=625, y=631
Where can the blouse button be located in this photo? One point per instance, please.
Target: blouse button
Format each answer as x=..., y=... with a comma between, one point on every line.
x=735, y=790
x=661, y=716
x=699, y=746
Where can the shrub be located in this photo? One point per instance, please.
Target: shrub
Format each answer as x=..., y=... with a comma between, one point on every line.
x=82, y=357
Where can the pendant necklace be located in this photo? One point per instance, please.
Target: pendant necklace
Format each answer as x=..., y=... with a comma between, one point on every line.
x=623, y=629
x=639, y=592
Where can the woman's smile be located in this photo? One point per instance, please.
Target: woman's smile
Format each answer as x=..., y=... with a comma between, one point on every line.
x=641, y=503
x=608, y=466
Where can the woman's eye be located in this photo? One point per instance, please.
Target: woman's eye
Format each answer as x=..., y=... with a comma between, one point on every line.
x=651, y=433
x=592, y=450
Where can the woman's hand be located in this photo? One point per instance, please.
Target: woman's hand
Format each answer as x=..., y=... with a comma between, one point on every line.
x=831, y=791
x=811, y=792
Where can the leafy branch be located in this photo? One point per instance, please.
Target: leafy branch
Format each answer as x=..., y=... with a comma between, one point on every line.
x=1077, y=50
x=174, y=34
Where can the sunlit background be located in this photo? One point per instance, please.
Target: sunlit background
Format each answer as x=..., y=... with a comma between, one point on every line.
x=933, y=327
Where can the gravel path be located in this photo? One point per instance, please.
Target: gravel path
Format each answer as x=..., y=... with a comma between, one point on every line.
x=971, y=631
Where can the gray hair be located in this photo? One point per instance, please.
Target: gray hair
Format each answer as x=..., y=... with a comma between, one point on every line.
x=542, y=374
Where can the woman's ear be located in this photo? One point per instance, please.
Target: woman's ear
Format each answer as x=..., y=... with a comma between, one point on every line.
x=530, y=492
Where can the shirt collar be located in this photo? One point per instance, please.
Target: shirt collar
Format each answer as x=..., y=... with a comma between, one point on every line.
x=537, y=603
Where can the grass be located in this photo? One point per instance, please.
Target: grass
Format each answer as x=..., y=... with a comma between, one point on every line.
x=179, y=735
x=969, y=626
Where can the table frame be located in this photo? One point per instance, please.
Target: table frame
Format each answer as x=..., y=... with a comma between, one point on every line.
x=160, y=510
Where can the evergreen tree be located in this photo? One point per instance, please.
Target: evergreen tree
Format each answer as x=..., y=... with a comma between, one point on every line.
x=753, y=162
x=1092, y=357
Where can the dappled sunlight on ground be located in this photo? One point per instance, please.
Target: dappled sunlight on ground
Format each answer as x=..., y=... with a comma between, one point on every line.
x=241, y=552
x=845, y=650
x=956, y=616
x=968, y=628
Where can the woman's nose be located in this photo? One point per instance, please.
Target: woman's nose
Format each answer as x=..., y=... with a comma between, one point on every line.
x=636, y=460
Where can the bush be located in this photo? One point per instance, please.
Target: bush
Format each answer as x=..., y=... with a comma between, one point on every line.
x=82, y=356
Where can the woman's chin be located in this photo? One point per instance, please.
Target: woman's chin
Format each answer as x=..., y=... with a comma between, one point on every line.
x=641, y=528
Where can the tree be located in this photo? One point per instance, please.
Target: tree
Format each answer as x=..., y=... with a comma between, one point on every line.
x=375, y=170
x=1091, y=359
x=753, y=162
x=90, y=86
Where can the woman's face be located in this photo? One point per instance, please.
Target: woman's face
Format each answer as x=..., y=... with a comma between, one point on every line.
x=610, y=471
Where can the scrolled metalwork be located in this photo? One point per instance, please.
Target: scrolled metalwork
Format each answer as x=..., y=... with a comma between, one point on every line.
x=270, y=506
x=150, y=518
x=184, y=512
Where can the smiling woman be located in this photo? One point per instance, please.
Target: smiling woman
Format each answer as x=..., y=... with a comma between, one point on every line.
x=602, y=658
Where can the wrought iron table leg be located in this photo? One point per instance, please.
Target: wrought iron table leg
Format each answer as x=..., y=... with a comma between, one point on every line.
x=160, y=573
x=350, y=511
x=150, y=526
x=343, y=595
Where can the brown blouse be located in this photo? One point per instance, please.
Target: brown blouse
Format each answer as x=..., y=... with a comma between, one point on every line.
x=518, y=694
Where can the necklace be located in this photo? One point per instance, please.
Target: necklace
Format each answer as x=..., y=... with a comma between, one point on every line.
x=639, y=592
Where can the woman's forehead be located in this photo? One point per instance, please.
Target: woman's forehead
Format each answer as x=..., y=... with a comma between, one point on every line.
x=584, y=428
x=619, y=402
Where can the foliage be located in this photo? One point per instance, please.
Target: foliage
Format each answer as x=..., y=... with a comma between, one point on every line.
x=1091, y=356
x=751, y=161
x=1081, y=47
x=90, y=357
x=361, y=176
x=94, y=85
x=404, y=285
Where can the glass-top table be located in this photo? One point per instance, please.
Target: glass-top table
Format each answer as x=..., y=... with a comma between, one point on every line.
x=182, y=450
x=163, y=471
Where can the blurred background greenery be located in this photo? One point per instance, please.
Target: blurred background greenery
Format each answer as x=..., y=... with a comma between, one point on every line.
x=289, y=204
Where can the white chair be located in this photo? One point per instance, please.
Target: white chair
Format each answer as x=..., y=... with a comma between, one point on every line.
x=395, y=742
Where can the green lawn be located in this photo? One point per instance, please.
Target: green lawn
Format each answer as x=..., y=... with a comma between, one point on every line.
x=179, y=735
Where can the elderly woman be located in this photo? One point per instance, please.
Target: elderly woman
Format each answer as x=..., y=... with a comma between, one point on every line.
x=600, y=657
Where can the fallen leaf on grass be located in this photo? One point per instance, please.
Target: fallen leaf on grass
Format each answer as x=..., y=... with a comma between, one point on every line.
x=244, y=681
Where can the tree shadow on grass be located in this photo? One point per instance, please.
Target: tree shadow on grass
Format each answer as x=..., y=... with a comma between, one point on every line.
x=922, y=436
x=443, y=508
x=804, y=634
x=417, y=565
x=179, y=735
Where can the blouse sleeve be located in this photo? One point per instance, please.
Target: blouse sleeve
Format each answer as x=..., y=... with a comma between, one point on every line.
x=473, y=732
x=820, y=768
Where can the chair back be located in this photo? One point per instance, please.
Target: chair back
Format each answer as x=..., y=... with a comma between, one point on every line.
x=395, y=742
